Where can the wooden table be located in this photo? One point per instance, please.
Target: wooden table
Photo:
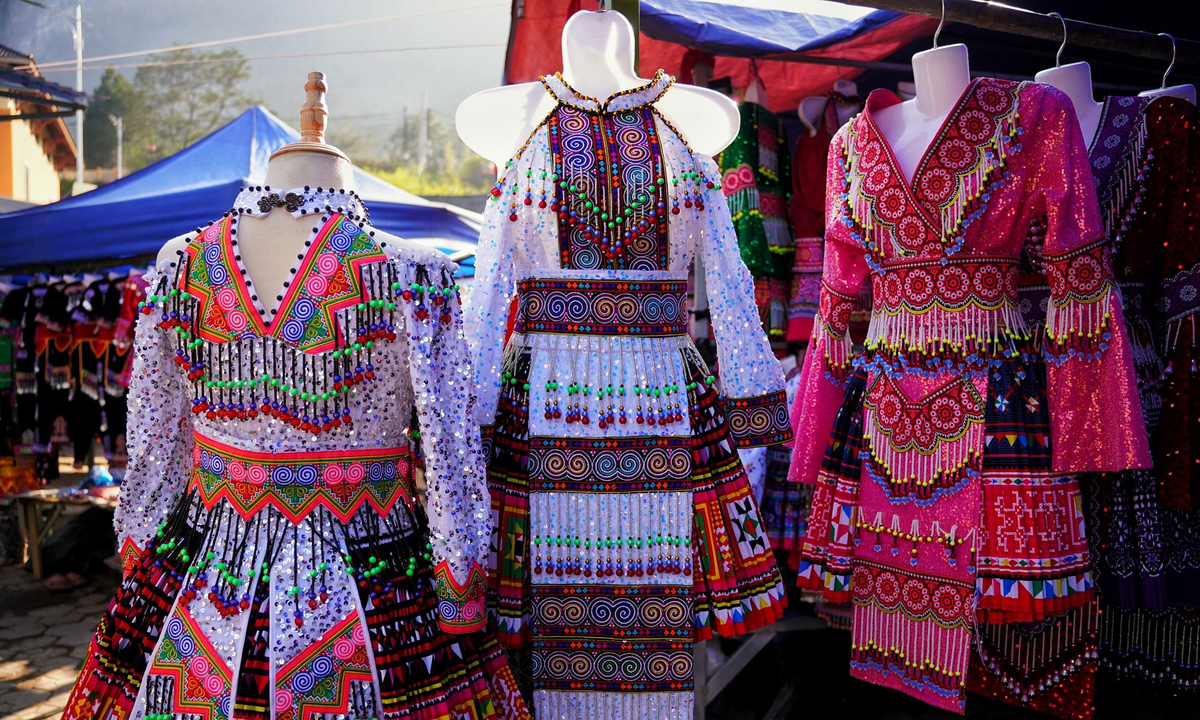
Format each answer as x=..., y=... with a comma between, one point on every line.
x=35, y=528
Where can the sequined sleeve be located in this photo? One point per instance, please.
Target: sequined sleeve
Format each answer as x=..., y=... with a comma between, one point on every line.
x=827, y=362
x=489, y=303
x=751, y=377
x=1095, y=415
x=159, y=438
x=442, y=383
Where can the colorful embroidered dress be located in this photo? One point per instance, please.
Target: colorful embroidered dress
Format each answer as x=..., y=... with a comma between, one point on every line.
x=278, y=563
x=944, y=456
x=755, y=170
x=625, y=528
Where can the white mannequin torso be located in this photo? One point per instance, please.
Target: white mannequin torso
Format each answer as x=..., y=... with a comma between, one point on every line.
x=1075, y=80
x=941, y=75
x=1186, y=92
x=598, y=62
x=269, y=244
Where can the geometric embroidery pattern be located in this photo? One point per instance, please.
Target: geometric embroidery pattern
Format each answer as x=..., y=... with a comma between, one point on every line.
x=202, y=680
x=317, y=682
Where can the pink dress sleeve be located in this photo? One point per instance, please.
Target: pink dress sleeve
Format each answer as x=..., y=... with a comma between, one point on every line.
x=1095, y=415
x=827, y=362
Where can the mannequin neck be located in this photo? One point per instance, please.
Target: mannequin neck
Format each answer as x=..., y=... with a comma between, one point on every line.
x=597, y=50
x=941, y=76
x=314, y=169
x=1075, y=80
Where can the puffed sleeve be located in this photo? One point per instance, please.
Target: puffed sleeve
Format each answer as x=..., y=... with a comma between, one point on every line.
x=827, y=362
x=159, y=440
x=443, y=393
x=1095, y=415
x=751, y=377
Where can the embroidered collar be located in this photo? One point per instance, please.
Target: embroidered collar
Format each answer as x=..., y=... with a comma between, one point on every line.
x=326, y=279
x=951, y=184
x=260, y=200
x=640, y=96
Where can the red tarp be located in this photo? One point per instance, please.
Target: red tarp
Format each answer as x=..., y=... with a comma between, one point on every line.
x=535, y=48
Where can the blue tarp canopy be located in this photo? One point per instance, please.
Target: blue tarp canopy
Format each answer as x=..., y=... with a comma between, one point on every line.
x=742, y=31
x=134, y=216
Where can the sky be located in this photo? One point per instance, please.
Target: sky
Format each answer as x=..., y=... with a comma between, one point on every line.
x=366, y=91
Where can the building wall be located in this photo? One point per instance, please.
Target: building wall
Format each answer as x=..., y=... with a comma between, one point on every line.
x=18, y=145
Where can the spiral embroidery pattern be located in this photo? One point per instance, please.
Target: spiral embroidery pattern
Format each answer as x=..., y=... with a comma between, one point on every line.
x=651, y=308
x=635, y=464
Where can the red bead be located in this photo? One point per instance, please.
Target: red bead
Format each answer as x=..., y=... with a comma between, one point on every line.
x=295, y=422
x=542, y=204
x=312, y=604
x=495, y=192
x=299, y=622
x=512, y=216
x=528, y=201
x=407, y=295
x=245, y=604
x=675, y=210
x=211, y=415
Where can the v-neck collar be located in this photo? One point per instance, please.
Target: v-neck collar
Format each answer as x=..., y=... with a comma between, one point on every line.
x=640, y=96
x=882, y=98
x=324, y=280
x=950, y=185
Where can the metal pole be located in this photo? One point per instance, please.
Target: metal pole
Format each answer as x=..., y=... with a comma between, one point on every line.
x=78, y=37
x=119, y=123
x=1005, y=18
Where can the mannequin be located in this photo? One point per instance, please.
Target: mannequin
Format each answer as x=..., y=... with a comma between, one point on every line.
x=270, y=243
x=813, y=108
x=597, y=49
x=1186, y=92
x=1075, y=80
x=942, y=75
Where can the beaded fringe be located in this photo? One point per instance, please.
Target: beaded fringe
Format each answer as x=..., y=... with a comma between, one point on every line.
x=923, y=654
x=1075, y=328
x=1124, y=197
x=939, y=331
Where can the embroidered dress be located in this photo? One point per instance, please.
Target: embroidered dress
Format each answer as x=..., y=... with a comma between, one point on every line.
x=944, y=457
x=755, y=170
x=278, y=563
x=625, y=529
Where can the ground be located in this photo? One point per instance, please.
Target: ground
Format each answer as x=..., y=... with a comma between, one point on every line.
x=43, y=640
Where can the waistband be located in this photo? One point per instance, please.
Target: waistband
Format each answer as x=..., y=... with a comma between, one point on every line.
x=986, y=282
x=296, y=483
x=633, y=307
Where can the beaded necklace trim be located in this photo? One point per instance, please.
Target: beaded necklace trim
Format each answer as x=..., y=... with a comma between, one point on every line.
x=260, y=200
x=635, y=97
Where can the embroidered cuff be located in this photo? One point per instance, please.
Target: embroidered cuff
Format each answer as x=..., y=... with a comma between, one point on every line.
x=131, y=555
x=759, y=420
x=1081, y=296
x=832, y=336
x=461, y=608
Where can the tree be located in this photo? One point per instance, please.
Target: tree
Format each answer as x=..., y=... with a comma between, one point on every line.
x=115, y=95
x=167, y=106
x=186, y=97
x=429, y=158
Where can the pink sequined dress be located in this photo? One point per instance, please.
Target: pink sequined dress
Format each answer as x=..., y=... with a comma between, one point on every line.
x=625, y=528
x=278, y=562
x=944, y=456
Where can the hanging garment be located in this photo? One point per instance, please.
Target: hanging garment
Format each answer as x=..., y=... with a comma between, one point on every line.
x=625, y=529
x=944, y=457
x=1143, y=523
x=754, y=178
x=278, y=562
